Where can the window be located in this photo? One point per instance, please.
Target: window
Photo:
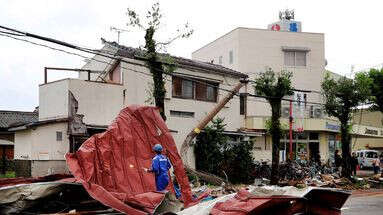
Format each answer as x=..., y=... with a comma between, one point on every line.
x=59, y=136
x=187, y=89
x=371, y=155
x=242, y=104
x=231, y=57
x=194, y=89
x=220, y=59
x=295, y=58
x=184, y=114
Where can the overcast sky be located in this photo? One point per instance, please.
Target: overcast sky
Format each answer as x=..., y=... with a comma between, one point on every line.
x=353, y=34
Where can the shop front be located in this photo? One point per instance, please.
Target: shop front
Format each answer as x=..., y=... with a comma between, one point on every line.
x=305, y=146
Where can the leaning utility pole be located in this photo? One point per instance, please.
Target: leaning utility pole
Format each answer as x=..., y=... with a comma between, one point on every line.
x=192, y=134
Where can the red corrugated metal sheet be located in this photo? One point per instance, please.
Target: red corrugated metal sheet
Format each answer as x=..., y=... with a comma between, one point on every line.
x=110, y=165
x=246, y=203
x=15, y=181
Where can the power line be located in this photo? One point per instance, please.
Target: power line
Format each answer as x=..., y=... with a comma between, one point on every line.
x=147, y=74
x=113, y=57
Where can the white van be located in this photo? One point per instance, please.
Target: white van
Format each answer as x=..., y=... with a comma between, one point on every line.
x=365, y=157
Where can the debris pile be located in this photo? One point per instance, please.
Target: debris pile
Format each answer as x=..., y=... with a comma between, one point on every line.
x=273, y=200
x=302, y=174
x=49, y=197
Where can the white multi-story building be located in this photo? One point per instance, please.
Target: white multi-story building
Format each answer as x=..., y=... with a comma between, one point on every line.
x=283, y=46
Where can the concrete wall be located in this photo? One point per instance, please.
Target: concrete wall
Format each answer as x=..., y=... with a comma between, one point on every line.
x=99, y=102
x=93, y=97
x=53, y=100
x=23, y=145
x=48, y=167
x=39, y=143
x=37, y=151
x=221, y=47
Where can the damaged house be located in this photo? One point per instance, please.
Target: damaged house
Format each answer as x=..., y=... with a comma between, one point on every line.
x=71, y=110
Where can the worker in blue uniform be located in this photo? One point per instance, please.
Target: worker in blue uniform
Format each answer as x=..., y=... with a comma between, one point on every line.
x=160, y=167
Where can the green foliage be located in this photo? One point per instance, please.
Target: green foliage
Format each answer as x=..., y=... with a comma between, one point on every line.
x=340, y=97
x=216, y=155
x=238, y=163
x=274, y=87
x=156, y=64
x=207, y=149
x=283, y=126
x=343, y=94
x=9, y=174
x=374, y=78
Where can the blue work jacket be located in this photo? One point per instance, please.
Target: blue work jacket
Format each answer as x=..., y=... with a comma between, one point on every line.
x=160, y=168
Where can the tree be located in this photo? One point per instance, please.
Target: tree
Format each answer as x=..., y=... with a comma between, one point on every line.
x=274, y=88
x=215, y=154
x=375, y=84
x=208, y=148
x=340, y=97
x=157, y=63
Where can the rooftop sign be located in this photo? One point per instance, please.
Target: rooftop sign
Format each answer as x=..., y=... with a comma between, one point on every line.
x=286, y=22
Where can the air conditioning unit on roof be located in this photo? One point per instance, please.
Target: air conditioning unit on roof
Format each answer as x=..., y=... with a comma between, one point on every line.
x=318, y=112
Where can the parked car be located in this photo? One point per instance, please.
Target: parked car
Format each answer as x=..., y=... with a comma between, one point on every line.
x=365, y=158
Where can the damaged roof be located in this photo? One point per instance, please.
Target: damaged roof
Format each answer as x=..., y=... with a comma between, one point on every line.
x=15, y=118
x=139, y=54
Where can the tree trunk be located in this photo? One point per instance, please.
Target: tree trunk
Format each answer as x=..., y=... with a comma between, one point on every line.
x=159, y=90
x=346, y=153
x=276, y=137
x=155, y=67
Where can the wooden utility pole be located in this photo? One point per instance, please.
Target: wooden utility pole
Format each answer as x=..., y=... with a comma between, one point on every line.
x=192, y=134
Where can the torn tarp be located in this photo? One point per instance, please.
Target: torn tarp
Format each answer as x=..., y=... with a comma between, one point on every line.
x=283, y=200
x=110, y=164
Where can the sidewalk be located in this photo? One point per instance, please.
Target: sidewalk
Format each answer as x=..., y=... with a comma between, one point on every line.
x=369, y=192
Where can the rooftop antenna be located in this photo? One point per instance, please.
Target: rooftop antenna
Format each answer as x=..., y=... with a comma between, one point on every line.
x=119, y=31
x=286, y=14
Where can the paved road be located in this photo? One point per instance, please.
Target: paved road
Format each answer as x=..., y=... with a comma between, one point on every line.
x=365, y=203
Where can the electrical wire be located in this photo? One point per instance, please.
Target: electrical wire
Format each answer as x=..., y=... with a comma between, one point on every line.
x=100, y=53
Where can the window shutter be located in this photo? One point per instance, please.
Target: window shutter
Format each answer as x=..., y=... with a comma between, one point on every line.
x=289, y=58
x=200, y=91
x=187, y=89
x=300, y=58
x=177, y=86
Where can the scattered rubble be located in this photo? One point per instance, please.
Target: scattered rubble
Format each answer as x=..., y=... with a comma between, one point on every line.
x=109, y=168
x=304, y=174
x=274, y=200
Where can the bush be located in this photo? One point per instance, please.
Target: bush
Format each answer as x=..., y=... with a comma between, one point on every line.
x=216, y=155
x=9, y=165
